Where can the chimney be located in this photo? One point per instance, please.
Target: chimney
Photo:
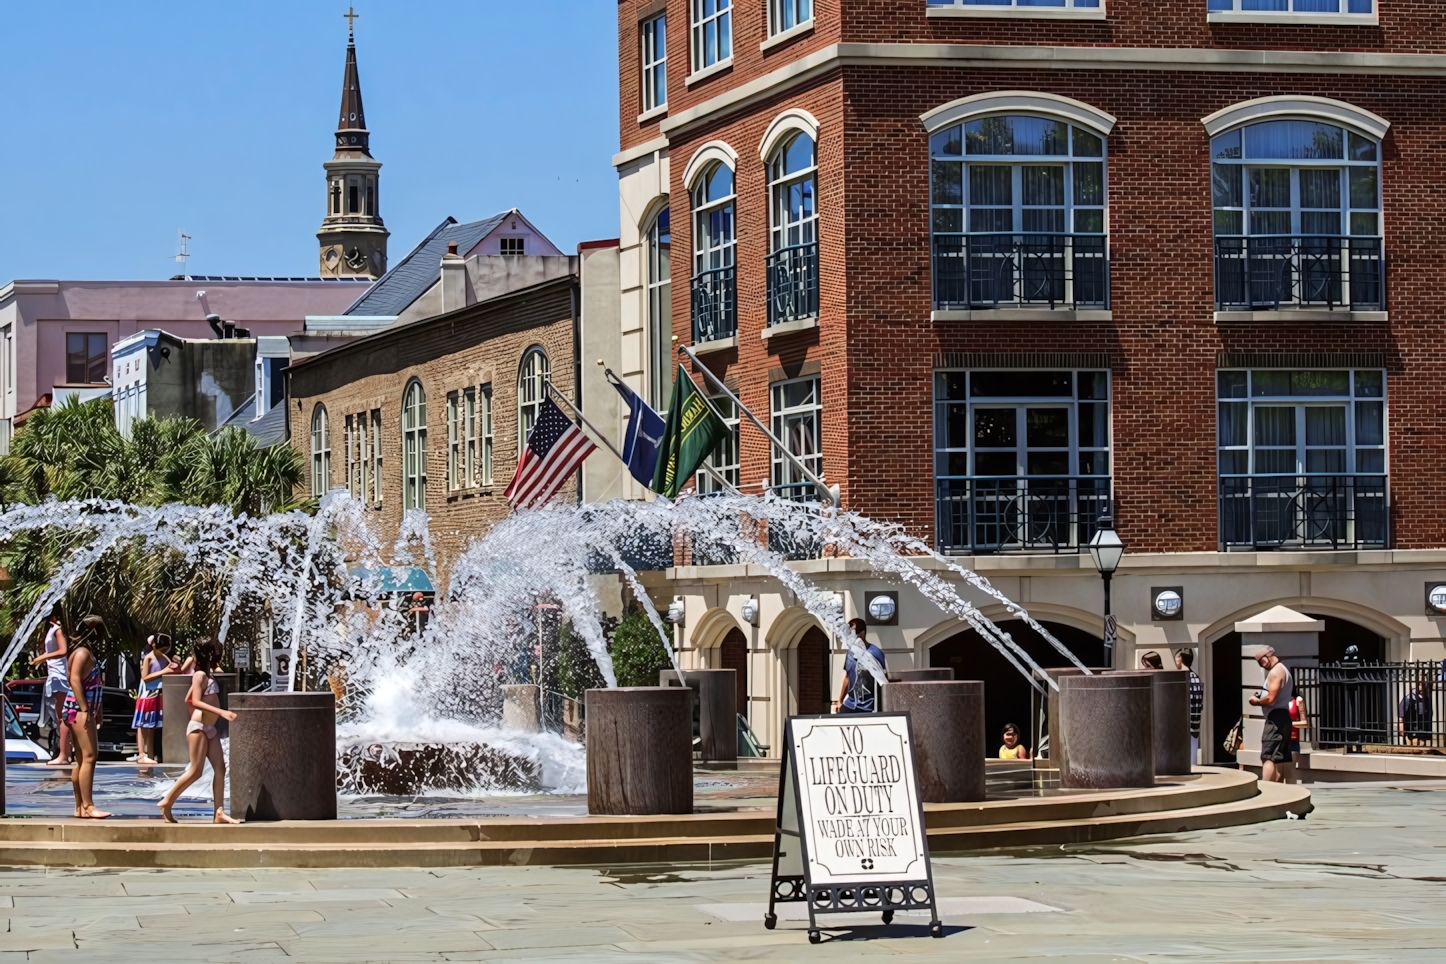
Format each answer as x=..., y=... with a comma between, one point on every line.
x=454, y=279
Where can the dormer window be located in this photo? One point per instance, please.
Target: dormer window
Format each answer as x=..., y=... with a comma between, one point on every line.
x=512, y=246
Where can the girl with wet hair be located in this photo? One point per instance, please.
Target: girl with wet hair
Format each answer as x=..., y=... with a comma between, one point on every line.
x=83, y=712
x=201, y=738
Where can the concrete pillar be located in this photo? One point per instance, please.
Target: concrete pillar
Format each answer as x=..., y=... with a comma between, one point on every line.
x=1295, y=637
x=520, y=708
x=715, y=710
x=1172, y=721
x=1109, y=731
x=283, y=756
x=175, y=714
x=639, y=750
x=918, y=675
x=947, y=720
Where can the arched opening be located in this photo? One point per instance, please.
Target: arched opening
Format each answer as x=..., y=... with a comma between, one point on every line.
x=1008, y=697
x=733, y=654
x=812, y=653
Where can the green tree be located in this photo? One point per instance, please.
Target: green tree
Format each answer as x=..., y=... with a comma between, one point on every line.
x=638, y=653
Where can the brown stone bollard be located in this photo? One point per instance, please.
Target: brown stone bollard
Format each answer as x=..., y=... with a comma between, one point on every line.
x=175, y=714
x=640, y=750
x=283, y=756
x=919, y=675
x=947, y=720
x=1172, y=721
x=1108, y=726
x=716, y=692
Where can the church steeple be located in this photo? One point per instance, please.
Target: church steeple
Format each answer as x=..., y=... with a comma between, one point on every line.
x=353, y=237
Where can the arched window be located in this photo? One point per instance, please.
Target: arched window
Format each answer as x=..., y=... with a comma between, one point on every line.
x=320, y=452
x=1018, y=210
x=414, y=447
x=531, y=379
x=714, y=314
x=660, y=310
x=793, y=263
x=1297, y=212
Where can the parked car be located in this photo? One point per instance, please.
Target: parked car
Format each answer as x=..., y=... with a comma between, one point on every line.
x=19, y=749
x=118, y=709
x=26, y=695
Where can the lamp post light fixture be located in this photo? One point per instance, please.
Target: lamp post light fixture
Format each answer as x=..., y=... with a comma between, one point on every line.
x=1106, y=549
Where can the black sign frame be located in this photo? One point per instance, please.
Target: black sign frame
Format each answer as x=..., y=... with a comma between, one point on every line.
x=853, y=898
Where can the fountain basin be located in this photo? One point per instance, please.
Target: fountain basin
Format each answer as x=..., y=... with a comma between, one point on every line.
x=410, y=769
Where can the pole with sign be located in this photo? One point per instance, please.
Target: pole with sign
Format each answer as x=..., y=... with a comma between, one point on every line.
x=850, y=835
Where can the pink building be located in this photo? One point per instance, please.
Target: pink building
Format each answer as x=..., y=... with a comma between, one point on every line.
x=55, y=336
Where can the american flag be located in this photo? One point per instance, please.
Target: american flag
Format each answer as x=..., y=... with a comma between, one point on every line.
x=555, y=448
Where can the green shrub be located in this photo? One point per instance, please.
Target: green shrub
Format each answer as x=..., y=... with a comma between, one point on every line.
x=638, y=653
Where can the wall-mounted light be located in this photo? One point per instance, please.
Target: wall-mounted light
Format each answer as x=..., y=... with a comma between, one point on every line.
x=675, y=611
x=883, y=608
x=750, y=611
x=1167, y=602
x=1436, y=598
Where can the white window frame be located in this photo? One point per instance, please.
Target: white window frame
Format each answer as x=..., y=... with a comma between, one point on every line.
x=363, y=457
x=781, y=222
x=485, y=423
x=712, y=34
x=414, y=447
x=320, y=452
x=787, y=16
x=1237, y=11
x=376, y=473
x=532, y=375
x=1062, y=10
x=1300, y=403
x=783, y=418
x=653, y=57
x=660, y=310
x=349, y=469
x=469, y=436
x=455, y=442
x=709, y=254
x=724, y=458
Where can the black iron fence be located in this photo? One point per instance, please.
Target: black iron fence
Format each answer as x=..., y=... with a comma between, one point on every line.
x=1021, y=270
x=793, y=283
x=1269, y=273
x=1023, y=514
x=715, y=304
x=1308, y=511
x=1374, y=704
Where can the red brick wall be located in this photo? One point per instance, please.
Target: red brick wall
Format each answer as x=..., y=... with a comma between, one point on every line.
x=875, y=339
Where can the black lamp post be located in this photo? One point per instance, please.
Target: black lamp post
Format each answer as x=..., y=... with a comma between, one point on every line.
x=1106, y=549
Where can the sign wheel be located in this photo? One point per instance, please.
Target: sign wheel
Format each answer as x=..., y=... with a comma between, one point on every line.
x=814, y=937
x=888, y=917
x=936, y=929
x=770, y=921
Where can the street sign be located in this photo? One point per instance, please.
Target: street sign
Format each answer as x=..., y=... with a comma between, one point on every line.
x=850, y=835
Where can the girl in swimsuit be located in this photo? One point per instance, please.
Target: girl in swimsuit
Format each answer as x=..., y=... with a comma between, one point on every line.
x=201, y=737
x=57, y=682
x=87, y=679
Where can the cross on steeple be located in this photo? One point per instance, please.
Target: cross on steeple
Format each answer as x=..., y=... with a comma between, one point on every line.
x=350, y=16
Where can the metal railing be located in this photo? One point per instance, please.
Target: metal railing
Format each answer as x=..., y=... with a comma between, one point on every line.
x=1310, y=271
x=715, y=304
x=1373, y=704
x=1040, y=513
x=1021, y=271
x=793, y=283
x=1307, y=511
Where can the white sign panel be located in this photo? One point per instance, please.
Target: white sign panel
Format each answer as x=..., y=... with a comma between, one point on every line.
x=859, y=800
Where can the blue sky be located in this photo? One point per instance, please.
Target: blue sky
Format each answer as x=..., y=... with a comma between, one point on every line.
x=127, y=122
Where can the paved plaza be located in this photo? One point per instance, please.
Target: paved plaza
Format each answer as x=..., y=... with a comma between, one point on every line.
x=1362, y=878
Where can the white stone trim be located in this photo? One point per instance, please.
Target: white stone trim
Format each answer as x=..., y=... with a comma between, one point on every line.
x=641, y=150
x=1016, y=13
x=712, y=627
x=792, y=119
x=788, y=628
x=1025, y=314
x=660, y=111
x=1296, y=105
x=708, y=71
x=1018, y=102
x=1301, y=314
x=784, y=36
x=711, y=151
x=1298, y=19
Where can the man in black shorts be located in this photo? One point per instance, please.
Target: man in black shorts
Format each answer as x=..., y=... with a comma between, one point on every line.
x=1275, y=739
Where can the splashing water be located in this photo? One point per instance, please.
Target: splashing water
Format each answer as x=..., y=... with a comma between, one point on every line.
x=441, y=686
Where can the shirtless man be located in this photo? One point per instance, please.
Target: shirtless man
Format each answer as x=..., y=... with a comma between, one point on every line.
x=1275, y=740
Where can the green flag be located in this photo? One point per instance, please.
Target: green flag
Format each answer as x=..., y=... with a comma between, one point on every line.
x=692, y=432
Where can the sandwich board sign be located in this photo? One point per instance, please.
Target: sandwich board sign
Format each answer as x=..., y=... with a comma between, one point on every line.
x=849, y=835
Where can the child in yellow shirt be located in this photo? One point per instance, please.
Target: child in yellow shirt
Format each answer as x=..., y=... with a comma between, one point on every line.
x=1012, y=748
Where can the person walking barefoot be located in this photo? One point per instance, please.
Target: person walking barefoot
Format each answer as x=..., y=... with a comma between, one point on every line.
x=201, y=738
x=57, y=683
x=83, y=713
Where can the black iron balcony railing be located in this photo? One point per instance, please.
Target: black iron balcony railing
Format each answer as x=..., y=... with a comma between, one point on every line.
x=1354, y=705
x=1307, y=511
x=793, y=283
x=794, y=545
x=715, y=304
x=973, y=271
x=1278, y=272
x=1037, y=513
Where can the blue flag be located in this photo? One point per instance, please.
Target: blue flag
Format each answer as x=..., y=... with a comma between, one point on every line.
x=645, y=431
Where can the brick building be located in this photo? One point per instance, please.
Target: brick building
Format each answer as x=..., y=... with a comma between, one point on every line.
x=994, y=268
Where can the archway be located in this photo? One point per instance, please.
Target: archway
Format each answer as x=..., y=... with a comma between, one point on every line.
x=1008, y=695
x=813, y=695
x=733, y=654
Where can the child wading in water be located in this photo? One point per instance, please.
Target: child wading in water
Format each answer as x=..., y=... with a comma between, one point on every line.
x=83, y=712
x=201, y=738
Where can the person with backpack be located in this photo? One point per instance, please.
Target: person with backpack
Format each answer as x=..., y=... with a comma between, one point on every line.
x=1413, y=716
x=860, y=690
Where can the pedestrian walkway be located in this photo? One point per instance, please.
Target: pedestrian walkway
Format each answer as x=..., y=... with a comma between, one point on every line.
x=1361, y=878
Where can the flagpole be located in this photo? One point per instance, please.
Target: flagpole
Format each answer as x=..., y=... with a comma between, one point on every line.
x=554, y=393
x=713, y=473
x=824, y=493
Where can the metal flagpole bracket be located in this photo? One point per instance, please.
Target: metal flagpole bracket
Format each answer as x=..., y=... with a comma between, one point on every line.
x=553, y=393
x=828, y=496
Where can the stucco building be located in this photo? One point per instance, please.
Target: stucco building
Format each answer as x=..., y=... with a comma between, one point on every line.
x=992, y=268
